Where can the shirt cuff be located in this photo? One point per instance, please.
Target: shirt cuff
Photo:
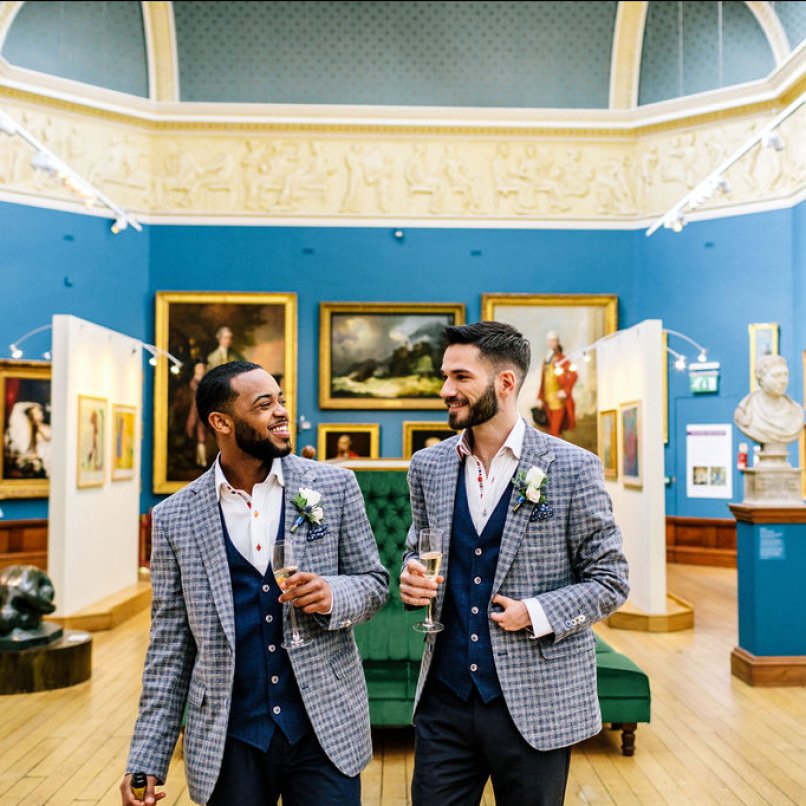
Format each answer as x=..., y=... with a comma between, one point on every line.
x=540, y=624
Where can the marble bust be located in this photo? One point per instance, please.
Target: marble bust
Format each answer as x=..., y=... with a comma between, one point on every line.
x=768, y=415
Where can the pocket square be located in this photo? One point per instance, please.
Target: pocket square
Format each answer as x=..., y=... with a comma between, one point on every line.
x=541, y=512
x=317, y=533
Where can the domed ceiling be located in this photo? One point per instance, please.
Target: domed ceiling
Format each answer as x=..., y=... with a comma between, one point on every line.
x=465, y=54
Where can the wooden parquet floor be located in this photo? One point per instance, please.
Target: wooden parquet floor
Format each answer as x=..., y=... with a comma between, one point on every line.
x=712, y=740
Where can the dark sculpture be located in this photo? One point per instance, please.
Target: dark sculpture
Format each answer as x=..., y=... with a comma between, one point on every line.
x=26, y=594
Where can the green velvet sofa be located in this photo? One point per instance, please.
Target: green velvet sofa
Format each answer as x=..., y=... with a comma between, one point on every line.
x=391, y=649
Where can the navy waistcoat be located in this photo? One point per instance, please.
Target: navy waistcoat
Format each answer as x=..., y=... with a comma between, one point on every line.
x=265, y=695
x=464, y=656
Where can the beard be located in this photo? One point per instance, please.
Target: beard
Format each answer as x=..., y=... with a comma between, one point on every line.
x=484, y=409
x=255, y=444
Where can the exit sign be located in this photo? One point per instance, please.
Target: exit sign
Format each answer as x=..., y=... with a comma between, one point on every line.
x=704, y=378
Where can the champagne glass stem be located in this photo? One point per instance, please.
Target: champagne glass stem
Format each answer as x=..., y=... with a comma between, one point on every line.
x=294, y=629
x=429, y=618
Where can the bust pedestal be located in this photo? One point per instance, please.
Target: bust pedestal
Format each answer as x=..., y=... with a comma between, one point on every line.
x=771, y=556
x=772, y=482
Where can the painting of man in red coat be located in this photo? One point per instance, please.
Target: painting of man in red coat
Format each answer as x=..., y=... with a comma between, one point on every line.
x=555, y=398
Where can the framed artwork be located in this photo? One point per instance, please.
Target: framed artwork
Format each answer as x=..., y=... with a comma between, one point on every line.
x=91, y=459
x=630, y=453
x=383, y=355
x=608, y=442
x=763, y=341
x=339, y=442
x=124, y=434
x=204, y=330
x=25, y=419
x=418, y=434
x=559, y=325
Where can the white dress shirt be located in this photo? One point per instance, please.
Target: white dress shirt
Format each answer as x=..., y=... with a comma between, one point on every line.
x=483, y=496
x=252, y=520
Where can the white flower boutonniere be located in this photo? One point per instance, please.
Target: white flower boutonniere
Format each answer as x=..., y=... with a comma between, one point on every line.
x=309, y=506
x=531, y=486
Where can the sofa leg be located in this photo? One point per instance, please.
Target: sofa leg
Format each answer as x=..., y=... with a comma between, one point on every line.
x=615, y=726
x=628, y=738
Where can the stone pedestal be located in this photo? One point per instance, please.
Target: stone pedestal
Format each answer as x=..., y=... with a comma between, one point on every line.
x=64, y=662
x=771, y=556
x=772, y=482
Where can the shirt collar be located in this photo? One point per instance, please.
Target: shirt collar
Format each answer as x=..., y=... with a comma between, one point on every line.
x=513, y=443
x=221, y=482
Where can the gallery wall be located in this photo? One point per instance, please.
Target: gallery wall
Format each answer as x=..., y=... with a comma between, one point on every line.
x=710, y=282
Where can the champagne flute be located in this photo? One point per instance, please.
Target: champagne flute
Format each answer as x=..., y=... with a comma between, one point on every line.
x=430, y=546
x=284, y=566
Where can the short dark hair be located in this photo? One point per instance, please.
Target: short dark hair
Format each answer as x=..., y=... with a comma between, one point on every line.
x=215, y=393
x=500, y=343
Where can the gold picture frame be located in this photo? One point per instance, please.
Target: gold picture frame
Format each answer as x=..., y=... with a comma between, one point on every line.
x=190, y=325
x=416, y=432
x=124, y=436
x=357, y=339
x=366, y=437
x=91, y=442
x=26, y=439
x=631, y=460
x=609, y=443
x=763, y=341
x=579, y=320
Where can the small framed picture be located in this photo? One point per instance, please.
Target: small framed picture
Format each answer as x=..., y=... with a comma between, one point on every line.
x=91, y=460
x=631, y=460
x=340, y=442
x=418, y=434
x=608, y=442
x=124, y=434
x=763, y=341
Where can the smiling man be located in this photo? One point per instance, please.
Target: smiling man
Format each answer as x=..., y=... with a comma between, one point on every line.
x=532, y=558
x=262, y=721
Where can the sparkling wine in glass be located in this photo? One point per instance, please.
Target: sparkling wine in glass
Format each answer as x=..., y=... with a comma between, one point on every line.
x=430, y=550
x=283, y=566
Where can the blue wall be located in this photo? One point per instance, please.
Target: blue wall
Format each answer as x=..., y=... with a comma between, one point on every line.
x=710, y=282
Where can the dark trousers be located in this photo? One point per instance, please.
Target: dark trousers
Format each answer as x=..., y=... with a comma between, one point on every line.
x=302, y=773
x=458, y=745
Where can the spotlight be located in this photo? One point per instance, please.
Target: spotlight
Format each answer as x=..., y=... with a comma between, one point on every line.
x=119, y=225
x=174, y=369
x=572, y=367
x=44, y=162
x=723, y=184
x=702, y=357
x=46, y=355
x=15, y=351
x=773, y=140
x=558, y=370
x=678, y=223
x=153, y=361
x=586, y=358
x=680, y=363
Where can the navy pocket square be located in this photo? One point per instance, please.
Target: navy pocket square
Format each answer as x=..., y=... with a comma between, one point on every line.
x=317, y=533
x=541, y=512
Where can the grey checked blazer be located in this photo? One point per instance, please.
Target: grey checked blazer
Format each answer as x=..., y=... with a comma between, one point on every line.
x=572, y=563
x=191, y=655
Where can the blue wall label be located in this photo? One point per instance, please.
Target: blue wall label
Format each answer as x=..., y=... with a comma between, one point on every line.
x=771, y=545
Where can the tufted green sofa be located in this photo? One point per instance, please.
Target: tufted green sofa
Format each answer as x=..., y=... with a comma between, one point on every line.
x=391, y=649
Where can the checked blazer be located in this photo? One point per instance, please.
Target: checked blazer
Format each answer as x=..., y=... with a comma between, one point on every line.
x=572, y=563
x=191, y=657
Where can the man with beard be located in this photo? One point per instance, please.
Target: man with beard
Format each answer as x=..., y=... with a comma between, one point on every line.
x=263, y=721
x=532, y=558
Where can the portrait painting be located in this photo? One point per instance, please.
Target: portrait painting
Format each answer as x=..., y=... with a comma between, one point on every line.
x=340, y=442
x=124, y=431
x=91, y=443
x=204, y=330
x=631, y=461
x=559, y=393
x=383, y=355
x=608, y=443
x=418, y=434
x=25, y=419
x=763, y=341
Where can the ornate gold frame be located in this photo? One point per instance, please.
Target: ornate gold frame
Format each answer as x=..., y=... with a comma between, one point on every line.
x=609, y=472
x=752, y=330
x=115, y=473
x=83, y=485
x=37, y=370
x=326, y=311
x=631, y=481
x=164, y=299
x=373, y=429
x=607, y=301
x=410, y=426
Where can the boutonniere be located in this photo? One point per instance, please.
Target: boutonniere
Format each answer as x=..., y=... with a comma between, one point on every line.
x=308, y=504
x=531, y=486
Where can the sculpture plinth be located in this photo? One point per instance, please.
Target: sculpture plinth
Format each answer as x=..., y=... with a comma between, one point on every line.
x=772, y=482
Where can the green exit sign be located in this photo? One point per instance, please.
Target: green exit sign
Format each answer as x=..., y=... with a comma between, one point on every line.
x=704, y=378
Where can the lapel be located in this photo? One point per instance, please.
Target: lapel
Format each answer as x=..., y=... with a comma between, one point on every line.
x=535, y=451
x=297, y=473
x=210, y=540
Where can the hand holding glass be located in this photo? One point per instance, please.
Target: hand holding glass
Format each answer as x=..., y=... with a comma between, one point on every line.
x=430, y=548
x=284, y=566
